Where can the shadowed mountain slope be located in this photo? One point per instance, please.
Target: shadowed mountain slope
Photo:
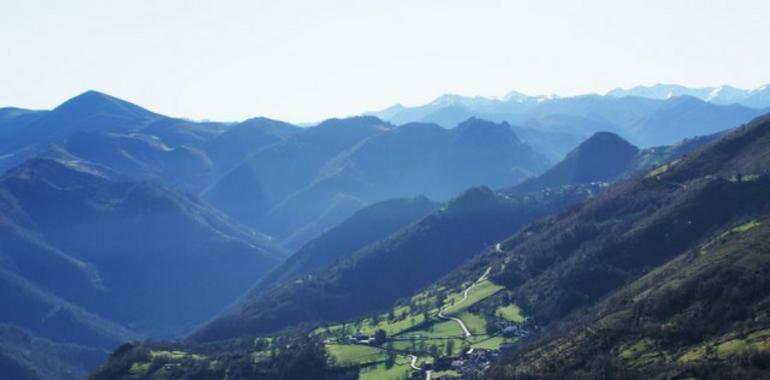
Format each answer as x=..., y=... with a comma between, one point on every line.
x=380, y=273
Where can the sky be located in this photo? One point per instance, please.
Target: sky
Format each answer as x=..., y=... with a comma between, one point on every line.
x=306, y=60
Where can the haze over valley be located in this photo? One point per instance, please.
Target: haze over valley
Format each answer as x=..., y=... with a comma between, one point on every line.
x=167, y=212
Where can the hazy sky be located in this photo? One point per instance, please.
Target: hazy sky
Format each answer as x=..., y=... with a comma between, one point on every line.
x=312, y=59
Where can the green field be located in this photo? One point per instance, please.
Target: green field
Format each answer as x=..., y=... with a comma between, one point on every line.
x=480, y=292
x=475, y=323
x=441, y=329
x=662, y=169
x=450, y=373
x=408, y=331
x=510, y=313
x=392, y=328
x=355, y=354
x=489, y=343
x=400, y=370
x=441, y=344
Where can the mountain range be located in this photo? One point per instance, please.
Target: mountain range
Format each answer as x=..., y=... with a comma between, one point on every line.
x=755, y=98
x=544, y=215
x=646, y=116
x=657, y=270
x=290, y=182
x=427, y=249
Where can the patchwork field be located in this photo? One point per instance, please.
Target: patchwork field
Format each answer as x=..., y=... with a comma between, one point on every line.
x=429, y=327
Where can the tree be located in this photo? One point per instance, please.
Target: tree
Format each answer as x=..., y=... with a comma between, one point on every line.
x=260, y=344
x=390, y=361
x=379, y=336
x=433, y=350
x=450, y=347
x=440, y=300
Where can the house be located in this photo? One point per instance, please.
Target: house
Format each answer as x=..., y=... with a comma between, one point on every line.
x=510, y=330
x=360, y=338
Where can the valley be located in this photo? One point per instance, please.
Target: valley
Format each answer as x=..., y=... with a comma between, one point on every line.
x=358, y=248
x=530, y=305
x=384, y=190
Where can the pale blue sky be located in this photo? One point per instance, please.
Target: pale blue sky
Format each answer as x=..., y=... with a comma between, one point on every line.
x=308, y=60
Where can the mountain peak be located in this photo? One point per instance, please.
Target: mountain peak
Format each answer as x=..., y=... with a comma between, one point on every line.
x=515, y=96
x=354, y=122
x=601, y=147
x=473, y=199
x=95, y=102
x=603, y=139
x=475, y=122
x=602, y=157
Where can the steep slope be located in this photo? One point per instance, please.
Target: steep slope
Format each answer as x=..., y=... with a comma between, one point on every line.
x=704, y=314
x=366, y=226
x=25, y=356
x=665, y=209
x=603, y=157
x=150, y=247
x=377, y=275
x=559, y=268
x=25, y=254
x=55, y=319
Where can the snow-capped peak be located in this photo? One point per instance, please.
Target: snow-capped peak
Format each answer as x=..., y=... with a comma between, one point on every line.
x=515, y=96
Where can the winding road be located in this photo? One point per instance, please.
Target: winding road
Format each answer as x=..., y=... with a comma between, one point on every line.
x=465, y=297
x=413, y=364
x=458, y=320
x=429, y=373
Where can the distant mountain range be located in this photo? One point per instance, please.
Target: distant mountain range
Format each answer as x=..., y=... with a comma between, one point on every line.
x=646, y=116
x=755, y=98
x=290, y=182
